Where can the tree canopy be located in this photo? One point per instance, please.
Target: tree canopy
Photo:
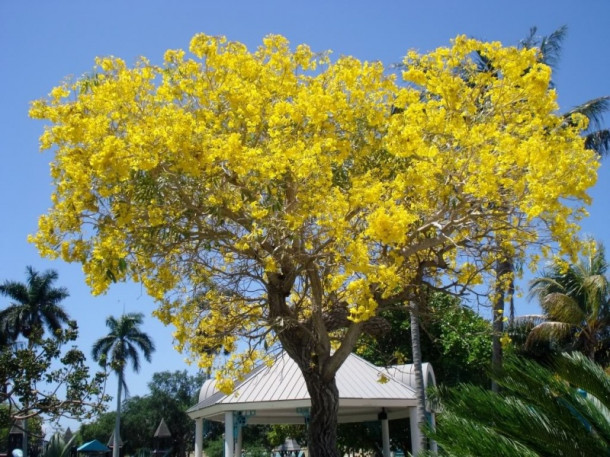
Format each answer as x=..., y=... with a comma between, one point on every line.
x=277, y=195
x=35, y=306
x=33, y=385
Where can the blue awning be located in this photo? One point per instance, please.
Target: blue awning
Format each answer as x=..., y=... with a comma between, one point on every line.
x=93, y=446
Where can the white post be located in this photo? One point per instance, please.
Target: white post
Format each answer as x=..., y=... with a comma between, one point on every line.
x=239, y=441
x=385, y=436
x=415, y=431
x=229, y=442
x=198, y=437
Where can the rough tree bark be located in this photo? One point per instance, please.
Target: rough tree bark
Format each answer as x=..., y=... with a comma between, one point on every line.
x=322, y=388
x=322, y=430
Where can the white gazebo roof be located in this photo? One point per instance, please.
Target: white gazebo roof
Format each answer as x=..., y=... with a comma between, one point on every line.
x=278, y=394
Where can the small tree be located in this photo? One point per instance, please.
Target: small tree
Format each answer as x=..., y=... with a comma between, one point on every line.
x=32, y=382
x=273, y=197
x=117, y=349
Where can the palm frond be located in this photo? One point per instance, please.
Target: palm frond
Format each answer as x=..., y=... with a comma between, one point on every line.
x=598, y=141
x=462, y=437
x=529, y=320
x=580, y=371
x=35, y=306
x=522, y=325
x=548, y=331
x=550, y=46
x=123, y=344
x=563, y=308
x=531, y=40
x=594, y=110
x=540, y=411
x=544, y=285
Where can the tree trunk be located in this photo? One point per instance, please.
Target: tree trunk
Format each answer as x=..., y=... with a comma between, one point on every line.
x=322, y=388
x=310, y=349
x=322, y=430
x=116, y=443
x=503, y=268
x=420, y=391
x=26, y=438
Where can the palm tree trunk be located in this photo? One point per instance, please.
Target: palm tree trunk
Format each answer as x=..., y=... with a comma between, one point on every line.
x=419, y=377
x=503, y=268
x=117, y=423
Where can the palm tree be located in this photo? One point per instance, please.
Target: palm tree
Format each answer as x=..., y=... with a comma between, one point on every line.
x=120, y=346
x=576, y=303
x=34, y=306
x=563, y=409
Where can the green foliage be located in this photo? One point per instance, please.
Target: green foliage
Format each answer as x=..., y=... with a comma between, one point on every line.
x=256, y=451
x=560, y=410
x=31, y=383
x=461, y=339
x=5, y=426
x=214, y=448
x=277, y=434
x=35, y=306
x=101, y=428
x=170, y=395
x=122, y=343
x=357, y=437
x=576, y=301
x=455, y=340
x=58, y=447
x=35, y=384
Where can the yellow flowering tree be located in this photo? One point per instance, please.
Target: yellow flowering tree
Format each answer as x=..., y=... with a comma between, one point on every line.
x=275, y=197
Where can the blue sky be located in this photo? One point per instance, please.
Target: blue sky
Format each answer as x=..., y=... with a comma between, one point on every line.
x=42, y=42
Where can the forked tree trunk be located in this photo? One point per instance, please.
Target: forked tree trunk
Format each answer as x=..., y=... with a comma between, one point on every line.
x=311, y=355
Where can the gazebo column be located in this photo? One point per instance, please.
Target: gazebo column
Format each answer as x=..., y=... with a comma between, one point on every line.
x=385, y=432
x=415, y=431
x=198, y=437
x=229, y=442
x=239, y=441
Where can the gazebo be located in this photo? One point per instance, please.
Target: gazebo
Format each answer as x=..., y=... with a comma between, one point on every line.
x=110, y=443
x=277, y=394
x=163, y=438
